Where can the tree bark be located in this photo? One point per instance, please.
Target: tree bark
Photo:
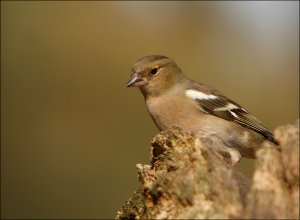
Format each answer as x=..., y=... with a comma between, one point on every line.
x=188, y=180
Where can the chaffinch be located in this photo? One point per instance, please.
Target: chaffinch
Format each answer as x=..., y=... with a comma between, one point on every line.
x=174, y=100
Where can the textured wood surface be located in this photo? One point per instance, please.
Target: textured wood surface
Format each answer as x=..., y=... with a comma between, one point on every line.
x=188, y=180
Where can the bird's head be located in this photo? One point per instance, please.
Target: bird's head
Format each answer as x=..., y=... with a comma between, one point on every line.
x=154, y=75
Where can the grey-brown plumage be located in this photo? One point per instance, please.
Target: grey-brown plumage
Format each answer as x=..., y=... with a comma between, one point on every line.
x=243, y=118
x=174, y=100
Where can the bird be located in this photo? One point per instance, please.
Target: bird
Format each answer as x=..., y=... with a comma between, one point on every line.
x=174, y=100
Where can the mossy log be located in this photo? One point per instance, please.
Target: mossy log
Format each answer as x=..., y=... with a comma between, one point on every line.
x=188, y=180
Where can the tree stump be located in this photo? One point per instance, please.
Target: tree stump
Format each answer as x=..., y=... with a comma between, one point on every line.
x=188, y=180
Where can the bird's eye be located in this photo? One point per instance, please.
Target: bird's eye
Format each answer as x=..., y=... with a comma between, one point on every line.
x=154, y=71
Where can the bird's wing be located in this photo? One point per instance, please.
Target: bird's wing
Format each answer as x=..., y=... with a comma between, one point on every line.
x=213, y=102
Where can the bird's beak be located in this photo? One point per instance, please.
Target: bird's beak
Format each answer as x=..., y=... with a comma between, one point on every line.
x=135, y=81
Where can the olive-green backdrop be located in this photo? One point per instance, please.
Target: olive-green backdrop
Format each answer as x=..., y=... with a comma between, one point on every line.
x=71, y=133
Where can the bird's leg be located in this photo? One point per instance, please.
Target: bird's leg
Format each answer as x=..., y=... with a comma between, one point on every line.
x=235, y=157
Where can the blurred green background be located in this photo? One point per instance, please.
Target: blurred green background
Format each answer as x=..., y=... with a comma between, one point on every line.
x=71, y=133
